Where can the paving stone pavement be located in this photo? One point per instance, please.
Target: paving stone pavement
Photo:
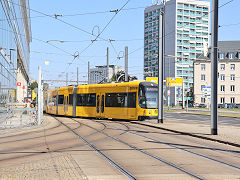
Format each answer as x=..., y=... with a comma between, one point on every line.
x=51, y=166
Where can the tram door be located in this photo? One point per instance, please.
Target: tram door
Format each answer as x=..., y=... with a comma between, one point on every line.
x=66, y=102
x=100, y=105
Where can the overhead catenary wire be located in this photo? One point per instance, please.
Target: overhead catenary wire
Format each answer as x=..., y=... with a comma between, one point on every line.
x=81, y=14
x=103, y=29
x=58, y=19
x=66, y=52
x=129, y=53
x=227, y=25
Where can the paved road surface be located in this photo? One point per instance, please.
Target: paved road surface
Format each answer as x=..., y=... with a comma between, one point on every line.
x=77, y=148
x=201, y=118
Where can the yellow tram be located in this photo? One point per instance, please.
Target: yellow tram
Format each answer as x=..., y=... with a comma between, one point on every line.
x=136, y=100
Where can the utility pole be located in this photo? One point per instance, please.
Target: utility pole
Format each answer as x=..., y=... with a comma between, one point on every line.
x=107, y=65
x=187, y=90
x=126, y=64
x=88, y=72
x=160, y=64
x=42, y=95
x=77, y=76
x=66, y=79
x=183, y=91
x=39, y=94
x=214, y=68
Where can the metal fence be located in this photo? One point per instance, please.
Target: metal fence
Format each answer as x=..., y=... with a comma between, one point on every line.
x=17, y=115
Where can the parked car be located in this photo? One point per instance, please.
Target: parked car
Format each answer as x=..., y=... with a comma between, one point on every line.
x=190, y=105
x=220, y=105
x=229, y=105
x=202, y=106
x=237, y=106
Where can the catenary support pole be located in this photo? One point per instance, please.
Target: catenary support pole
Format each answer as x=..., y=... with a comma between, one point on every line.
x=214, y=68
x=107, y=74
x=160, y=66
x=88, y=72
x=39, y=93
x=126, y=64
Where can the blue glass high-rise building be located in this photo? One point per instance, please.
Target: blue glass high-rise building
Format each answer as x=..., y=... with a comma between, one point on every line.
x=15, y=38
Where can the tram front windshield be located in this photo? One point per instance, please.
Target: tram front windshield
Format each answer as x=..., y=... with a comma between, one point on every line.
x=148, y=97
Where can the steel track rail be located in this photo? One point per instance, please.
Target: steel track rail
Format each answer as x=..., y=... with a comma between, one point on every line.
x=113, y=163
x=188, y=134
x=230, y=151
x=151, y=155
x=185, y=150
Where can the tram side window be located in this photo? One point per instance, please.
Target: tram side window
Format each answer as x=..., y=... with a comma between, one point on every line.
x=60, y=99
x=86, y=100
x=54, y=100
x=70, y=99
x=120, y=100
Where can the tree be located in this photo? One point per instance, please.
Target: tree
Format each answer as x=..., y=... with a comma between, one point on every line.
x=33, y=85
x=114, y=78
x=120, y=77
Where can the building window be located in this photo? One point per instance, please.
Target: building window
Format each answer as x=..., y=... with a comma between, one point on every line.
x=232, y=88
x=222, y=66
x=203, y=67
x=232, y=66
x=222, y=77
x=232, y=100
x=222, y=88
x=202, y=87
x=232, y=77
x=221, y=55
x=231, y=55
x=202, y=100
x=203, y=77
x=222, y=100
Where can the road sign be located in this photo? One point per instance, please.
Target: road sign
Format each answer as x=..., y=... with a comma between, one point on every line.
x=206, y=91
x=19, y=83
x=172, y=81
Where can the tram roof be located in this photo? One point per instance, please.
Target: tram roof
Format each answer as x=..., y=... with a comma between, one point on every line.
x=122, y=84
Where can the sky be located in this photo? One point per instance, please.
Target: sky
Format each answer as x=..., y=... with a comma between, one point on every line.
x=77, y=20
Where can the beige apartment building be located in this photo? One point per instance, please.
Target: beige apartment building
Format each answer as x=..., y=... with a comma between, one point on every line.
x=228, y=75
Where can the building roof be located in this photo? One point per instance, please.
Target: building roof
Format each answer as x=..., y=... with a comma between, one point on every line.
x=229, y=46
x=225, y=48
